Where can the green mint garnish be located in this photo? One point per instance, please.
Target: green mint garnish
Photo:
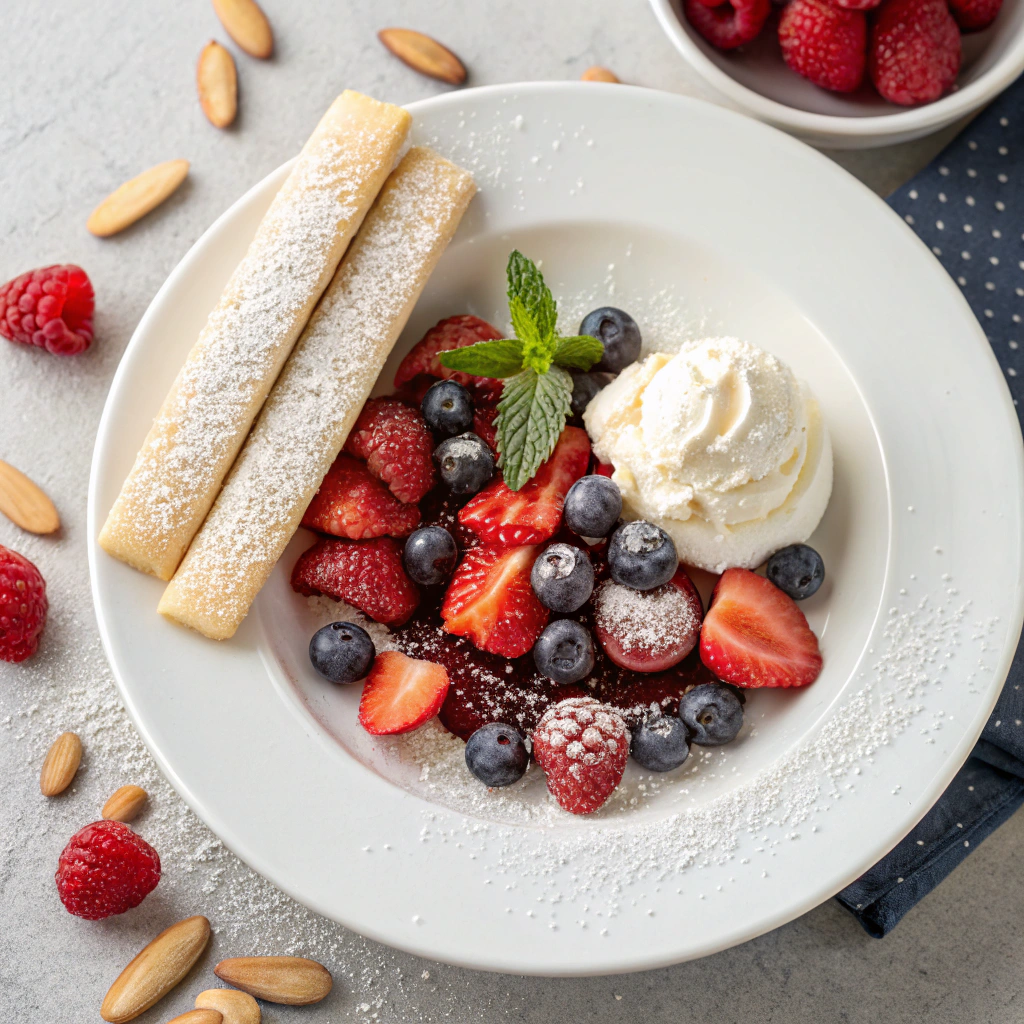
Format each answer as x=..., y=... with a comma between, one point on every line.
x=537, y=391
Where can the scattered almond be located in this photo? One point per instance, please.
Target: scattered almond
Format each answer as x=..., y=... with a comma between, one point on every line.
x=217, y=82
x=423, y=54
x=198, y=1017
x=293, y=980
x=156, y=970
x=246, y=23
x=24, y=503
x=598, y=74
x=61, y=763
x=135, y=198
x=124, y=804
x=235, y=1007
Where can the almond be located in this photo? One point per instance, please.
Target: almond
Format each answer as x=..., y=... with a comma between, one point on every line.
x=24, y=503
x=124, y=804
x=198, y=1017
x=135, y=198
x=217, y=83
x=278, y=979
x=423, y=54
x=61, y=763
x=234, y=1006
x=598, y=74
x=156, y=970
x=246, y=23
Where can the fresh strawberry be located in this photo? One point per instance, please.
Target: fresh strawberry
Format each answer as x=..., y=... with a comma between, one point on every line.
x=648, y=630
x=367, y=574
x=483, y=424
x=582, y=745
x=455, y=332
x=974, y=15
x=603, y=468
x=401, y=693
x=914, y=54
x=397, y=445
x=755, y=635
x=354, y=504
x=499, y=515
x=729, y=24
x=825, y=43
x=490, y=600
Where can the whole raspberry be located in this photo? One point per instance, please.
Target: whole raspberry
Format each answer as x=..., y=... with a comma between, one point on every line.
x=582, y=745
x=914, y=55
x=23, y=606
x=106, y=869
x=825, y=44
x=729, y=24
x=51, y=307
x=974, y=15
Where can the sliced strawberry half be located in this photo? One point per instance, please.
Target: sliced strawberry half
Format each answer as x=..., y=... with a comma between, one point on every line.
x=353, y=503
x=603, y=468
x=755, y=635
x=531, y=515
x=490, y=600
x=401, y=693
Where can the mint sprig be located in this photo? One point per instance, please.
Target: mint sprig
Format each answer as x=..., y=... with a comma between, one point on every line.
x=538, y=389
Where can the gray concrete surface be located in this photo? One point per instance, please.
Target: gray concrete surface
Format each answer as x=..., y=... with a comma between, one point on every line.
x=89, y=95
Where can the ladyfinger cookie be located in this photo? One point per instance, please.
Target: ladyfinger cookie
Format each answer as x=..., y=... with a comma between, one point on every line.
x=321, y=391
x=263, y=309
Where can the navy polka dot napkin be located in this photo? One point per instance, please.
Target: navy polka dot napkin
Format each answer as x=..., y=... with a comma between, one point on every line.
x=968, y=207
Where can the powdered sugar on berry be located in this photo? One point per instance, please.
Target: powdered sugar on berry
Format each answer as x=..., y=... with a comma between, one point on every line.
x=648, y=619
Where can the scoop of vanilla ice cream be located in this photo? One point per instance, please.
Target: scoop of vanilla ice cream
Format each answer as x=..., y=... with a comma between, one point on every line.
x=721, y=446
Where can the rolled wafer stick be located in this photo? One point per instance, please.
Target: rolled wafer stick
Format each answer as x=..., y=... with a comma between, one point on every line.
x=307, y=418
x=231, y=368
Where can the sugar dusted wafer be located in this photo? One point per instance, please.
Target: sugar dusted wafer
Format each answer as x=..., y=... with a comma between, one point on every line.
x=321, y=391
x=263, y=309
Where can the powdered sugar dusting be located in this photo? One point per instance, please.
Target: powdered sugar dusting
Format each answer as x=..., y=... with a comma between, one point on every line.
x=646, y=620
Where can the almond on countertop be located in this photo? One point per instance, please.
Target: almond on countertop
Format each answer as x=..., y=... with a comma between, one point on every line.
x=292, y=980
x=246, y=23
x=61, y=763
x=124, y=804
x=135, y=198
x=598, y=74
x=217, y=83
x=423, y=54
x=156, y=970
x=235, y=1006
x=198, y=1017
x=24, y=503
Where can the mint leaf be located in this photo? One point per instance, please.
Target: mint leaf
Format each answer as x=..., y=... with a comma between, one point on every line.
x=531, y=416
x=526, y=283
x=537, y=350
x=580, y=352
x=501, y=358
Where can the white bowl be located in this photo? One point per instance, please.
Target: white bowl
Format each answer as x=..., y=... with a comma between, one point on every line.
x=756, y=80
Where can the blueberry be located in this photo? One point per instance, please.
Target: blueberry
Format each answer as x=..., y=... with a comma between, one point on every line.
x=447, y=408
x=562, y=578
x=641, y=555
x=466, y=463
x=712, y=713
x=797, y=570
x=620, y=335
x=496, y=754
x=660, y=743
x=430, y=555
x=342, y=652
x=584, y=387
x=593, y=506
x=564, y=652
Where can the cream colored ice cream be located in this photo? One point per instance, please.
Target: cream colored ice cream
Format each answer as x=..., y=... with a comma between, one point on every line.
x=719, y=445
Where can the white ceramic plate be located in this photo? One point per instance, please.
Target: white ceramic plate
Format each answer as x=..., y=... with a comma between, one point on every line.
x=699, y=221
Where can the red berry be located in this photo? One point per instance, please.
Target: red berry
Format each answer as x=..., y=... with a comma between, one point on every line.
x=353, y=503
x=367, y=574
x=483, y=424
x=397, y=445
x=603, y=468
x=51, y=307
x=582, y=745
x=401, y=693
x=857, y=5
x=23, y=606
x=824, y=43
x=490, y=600
x=648, y=630
x=755, y=635
x=730, y=24
x=914, y=54
x=106, y=869
x=455, y=332
x=531, y=515
x=974, y=15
